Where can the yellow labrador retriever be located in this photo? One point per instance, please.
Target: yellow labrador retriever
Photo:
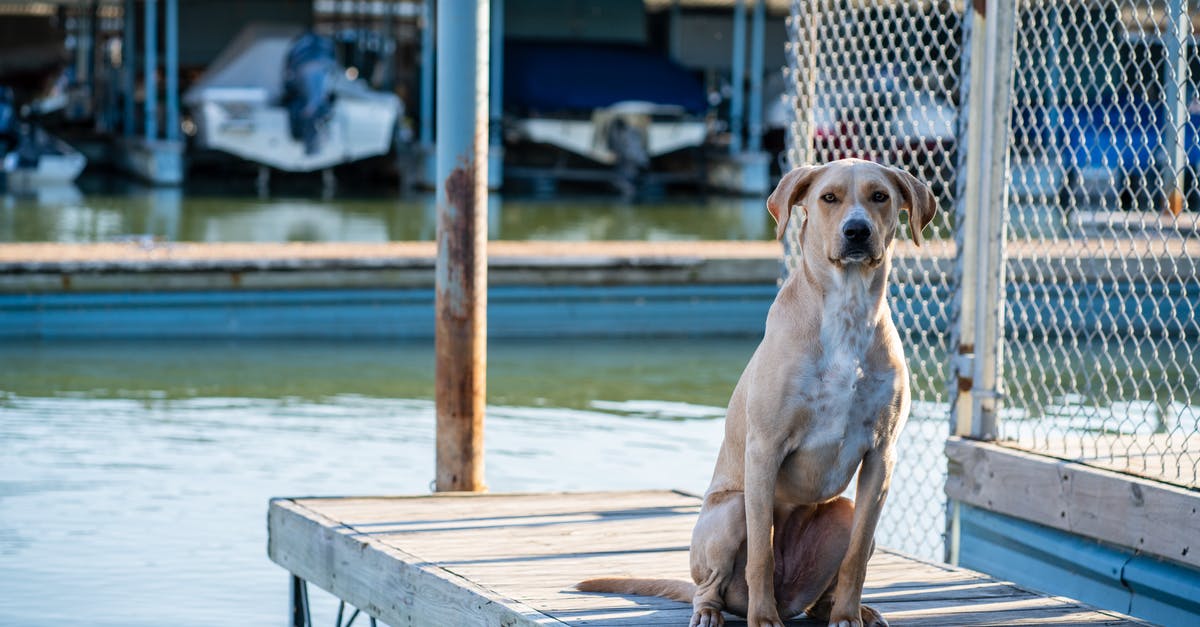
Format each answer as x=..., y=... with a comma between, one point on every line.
x=825, y=394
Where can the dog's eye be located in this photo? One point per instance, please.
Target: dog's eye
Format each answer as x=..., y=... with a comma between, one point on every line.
x=829, y=198
x=879, y=196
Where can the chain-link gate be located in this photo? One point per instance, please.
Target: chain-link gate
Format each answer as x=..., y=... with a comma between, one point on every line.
x=878, y=80
x=1102, y=280
x=1077, y=235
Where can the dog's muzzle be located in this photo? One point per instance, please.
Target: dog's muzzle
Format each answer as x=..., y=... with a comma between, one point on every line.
x=856, y=241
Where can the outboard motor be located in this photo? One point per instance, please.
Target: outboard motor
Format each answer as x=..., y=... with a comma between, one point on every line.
x=30, y=146
x=308, y=88
x=626, y=139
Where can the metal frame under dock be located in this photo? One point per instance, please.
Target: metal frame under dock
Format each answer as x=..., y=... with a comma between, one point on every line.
x=469, y=559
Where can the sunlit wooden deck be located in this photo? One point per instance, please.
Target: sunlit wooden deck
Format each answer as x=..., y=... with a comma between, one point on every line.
x=513, y=559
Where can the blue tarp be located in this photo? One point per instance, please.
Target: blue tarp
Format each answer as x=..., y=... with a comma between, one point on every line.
x=556, y=76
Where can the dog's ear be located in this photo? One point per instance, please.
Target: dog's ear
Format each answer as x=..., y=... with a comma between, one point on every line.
x=918, y=201
x=791, y=188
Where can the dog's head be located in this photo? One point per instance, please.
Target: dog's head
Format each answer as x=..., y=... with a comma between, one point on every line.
x=851, y=209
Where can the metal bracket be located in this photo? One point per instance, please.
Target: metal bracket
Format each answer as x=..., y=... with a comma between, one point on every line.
x=963, y=364
x=995, y=395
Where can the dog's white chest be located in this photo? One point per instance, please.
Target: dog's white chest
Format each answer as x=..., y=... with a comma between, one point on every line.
x=838, y=400
x=830, y=394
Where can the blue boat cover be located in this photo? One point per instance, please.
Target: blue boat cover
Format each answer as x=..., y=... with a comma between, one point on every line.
x=557, y=76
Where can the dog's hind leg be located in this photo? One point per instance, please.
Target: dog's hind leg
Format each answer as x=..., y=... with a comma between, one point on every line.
x=718, y=559
x=823, y=607
x=809, y=548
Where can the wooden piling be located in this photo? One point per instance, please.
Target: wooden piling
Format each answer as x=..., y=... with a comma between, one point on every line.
x=461, y=271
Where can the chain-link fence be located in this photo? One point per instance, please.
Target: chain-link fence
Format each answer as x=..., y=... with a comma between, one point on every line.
x=1102, y=280
x=1095, y=313
x=879, y=80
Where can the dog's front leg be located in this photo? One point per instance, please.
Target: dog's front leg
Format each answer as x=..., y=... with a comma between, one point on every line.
x=873, y=480
x=762, y=469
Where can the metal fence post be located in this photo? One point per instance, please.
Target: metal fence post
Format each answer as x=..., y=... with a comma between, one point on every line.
x=978, y=364
x=981, y=317
x=461, y=271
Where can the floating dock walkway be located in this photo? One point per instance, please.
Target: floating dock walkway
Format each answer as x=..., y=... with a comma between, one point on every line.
x=536, y=289
x=466, y=559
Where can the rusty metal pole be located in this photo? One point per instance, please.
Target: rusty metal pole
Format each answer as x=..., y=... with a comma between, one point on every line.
x=461, y=275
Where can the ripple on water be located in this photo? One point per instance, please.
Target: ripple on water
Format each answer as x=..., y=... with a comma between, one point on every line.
x=172, y=508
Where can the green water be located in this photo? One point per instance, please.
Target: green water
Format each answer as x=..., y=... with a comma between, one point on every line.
x=97, y=212
x=135, y=477
x=152, y=462
x=701, y=372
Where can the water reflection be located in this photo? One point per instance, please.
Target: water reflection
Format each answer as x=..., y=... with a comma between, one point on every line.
x=98, y=213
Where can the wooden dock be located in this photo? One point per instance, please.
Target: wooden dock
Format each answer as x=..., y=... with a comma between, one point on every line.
x=457, y=559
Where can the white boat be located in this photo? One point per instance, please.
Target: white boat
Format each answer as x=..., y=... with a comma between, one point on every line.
x=661, y=129
x=41, y=159
x=238, y=107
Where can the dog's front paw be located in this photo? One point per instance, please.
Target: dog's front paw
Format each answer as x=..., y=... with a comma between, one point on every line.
x=707, y=617
x=866, y=616
x=764, y=619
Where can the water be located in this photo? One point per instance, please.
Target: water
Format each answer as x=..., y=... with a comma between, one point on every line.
x=134, y=477
x=98, y=212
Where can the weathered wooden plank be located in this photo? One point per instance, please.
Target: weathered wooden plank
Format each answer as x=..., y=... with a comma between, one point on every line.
x=980, y=589
x=1059, y=616
x=1138, y=514
x=383, y=581
x=1002, y=605
x=452, y=508
x=54, y=267
x=578, y=604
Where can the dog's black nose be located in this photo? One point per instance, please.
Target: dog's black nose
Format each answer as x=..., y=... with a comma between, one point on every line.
x=856, y=231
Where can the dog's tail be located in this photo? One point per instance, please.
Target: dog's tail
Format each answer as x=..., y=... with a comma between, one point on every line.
x=674, y=589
